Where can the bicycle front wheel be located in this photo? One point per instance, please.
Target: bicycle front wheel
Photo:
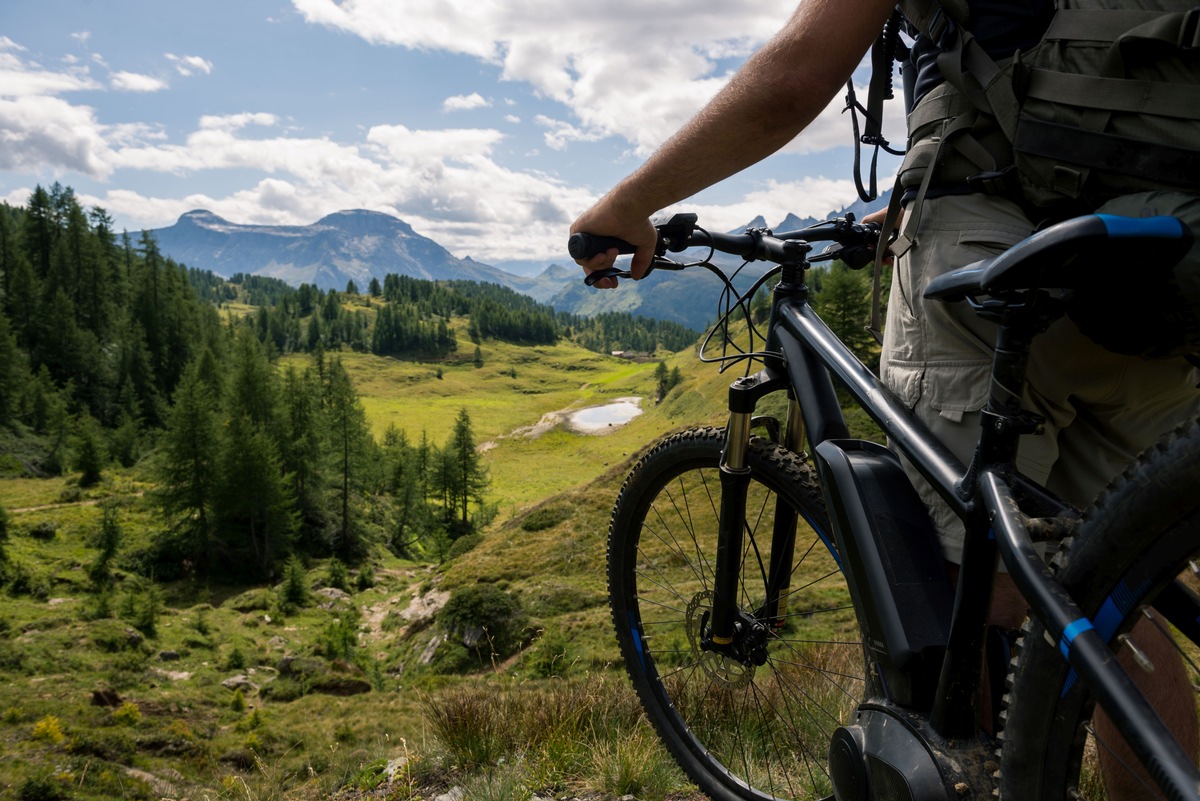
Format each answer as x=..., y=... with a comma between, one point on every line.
x=740, y=728
x=1132, y=568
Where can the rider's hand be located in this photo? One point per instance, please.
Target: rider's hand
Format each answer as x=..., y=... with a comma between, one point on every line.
x=604, y=219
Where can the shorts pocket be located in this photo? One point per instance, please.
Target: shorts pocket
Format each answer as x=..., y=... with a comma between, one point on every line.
x=954, y=389
x=904, y=382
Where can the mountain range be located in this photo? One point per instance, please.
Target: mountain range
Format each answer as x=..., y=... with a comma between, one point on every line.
x=358, y=245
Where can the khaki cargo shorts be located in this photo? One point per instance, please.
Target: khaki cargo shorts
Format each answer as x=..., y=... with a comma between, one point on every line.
x=1101, y=408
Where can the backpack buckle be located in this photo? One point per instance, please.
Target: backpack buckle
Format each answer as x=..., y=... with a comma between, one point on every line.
x=1189, y=30
x=991, y=182
x=942, y=30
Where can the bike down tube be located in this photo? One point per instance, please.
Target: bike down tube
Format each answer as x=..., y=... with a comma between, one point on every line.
x=1085, y=650
x=806, y=339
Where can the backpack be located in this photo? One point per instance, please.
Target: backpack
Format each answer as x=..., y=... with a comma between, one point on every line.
x=1105, y=109
x=1106, y=104
x=1152, y=313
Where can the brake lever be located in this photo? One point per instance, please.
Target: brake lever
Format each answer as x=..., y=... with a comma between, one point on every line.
x=658, y=263
x=608, y=272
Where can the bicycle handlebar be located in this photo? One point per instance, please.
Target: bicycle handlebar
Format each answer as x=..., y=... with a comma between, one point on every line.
x=679, y=232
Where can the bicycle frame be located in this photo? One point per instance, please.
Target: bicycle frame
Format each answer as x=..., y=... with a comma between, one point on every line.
x=993, y=500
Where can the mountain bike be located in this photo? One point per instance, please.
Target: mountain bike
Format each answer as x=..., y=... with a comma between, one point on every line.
x=780, y=598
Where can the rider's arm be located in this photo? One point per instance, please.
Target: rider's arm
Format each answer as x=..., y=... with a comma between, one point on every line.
x=774, y=96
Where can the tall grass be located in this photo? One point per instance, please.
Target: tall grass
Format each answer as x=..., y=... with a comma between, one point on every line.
x=582, y=734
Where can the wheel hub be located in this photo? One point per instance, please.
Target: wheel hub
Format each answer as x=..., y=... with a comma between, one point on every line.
x=733, y=665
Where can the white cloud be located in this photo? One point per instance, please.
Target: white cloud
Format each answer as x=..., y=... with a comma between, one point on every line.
x=624, y=68
x=465, y=102
x=559, y=134
x=807, y=197
x=135, y=82
x=606, y=63
x=233, y=122
x=40, y=131
x=19, y=78
x=189, y=65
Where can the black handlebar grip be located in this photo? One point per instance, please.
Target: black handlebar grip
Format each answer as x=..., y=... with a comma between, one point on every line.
x=584, y=246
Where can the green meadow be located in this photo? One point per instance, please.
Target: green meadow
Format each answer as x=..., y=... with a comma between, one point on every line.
x=205, y=690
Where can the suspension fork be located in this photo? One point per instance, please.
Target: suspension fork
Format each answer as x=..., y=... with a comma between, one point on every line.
x=783, y=531
x=744, y=394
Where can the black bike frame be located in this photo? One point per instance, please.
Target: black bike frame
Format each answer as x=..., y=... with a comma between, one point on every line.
x=989, y=497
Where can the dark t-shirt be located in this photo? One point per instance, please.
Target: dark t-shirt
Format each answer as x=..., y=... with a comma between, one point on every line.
x=1001, y=26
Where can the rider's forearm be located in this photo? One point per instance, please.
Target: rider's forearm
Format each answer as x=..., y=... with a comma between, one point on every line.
x=772, y=98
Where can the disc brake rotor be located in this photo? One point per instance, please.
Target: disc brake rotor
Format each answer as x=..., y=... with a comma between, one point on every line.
x=720, y=668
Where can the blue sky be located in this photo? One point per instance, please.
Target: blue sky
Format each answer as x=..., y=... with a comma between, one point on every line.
x=485, y=124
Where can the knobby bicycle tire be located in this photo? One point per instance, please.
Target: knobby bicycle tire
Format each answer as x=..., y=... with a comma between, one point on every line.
x=1142, y=533
x=738, y=731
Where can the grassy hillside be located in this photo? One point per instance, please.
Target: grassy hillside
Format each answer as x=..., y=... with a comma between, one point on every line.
x=229, y=693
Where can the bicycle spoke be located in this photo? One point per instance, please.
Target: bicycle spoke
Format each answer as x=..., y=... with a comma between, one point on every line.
x=733, y=722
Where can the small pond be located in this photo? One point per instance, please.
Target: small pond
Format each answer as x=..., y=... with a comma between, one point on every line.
x=598, y=418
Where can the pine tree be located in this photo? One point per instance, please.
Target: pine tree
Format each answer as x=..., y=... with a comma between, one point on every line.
x=39, y=231
x=108, y=541
x=404, y=481
x=467, y=478
x=187, y=469
x=91, y=455
x=3, y=541
x=14, y=373
x=255, y=508
x=844, y=303
x=252, y=385
x=303, y=451
x=349, y=438
x=661, y=377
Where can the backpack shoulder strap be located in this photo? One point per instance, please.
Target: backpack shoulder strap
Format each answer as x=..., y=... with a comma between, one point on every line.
x=931, y=16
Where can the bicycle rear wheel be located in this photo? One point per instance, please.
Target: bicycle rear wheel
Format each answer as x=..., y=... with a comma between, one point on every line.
x=1133, y=561
x=740, y=731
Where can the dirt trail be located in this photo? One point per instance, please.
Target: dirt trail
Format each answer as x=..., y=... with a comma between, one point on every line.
x=68, y=504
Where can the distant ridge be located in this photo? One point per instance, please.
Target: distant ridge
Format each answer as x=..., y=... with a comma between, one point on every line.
x=358, y=245
x=353, y=245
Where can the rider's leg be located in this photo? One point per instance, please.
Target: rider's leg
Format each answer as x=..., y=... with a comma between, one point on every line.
x=1100, y=409
x=1169, y=691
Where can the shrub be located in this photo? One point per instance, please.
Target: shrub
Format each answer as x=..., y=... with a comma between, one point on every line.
x=463, y=545
x=485, y=618
x=127, y=714
x=42, y=787
x=294, y=592
x=141, y=604
x=43, y=531
x=236, y=659
x=547, y=657
x=545, y=517
x=365, y=579
x=23, y=581
x=49, y=729
x=337, y=577
x=339, y=639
